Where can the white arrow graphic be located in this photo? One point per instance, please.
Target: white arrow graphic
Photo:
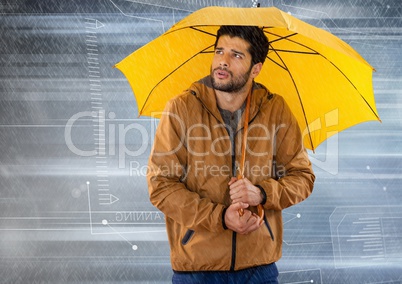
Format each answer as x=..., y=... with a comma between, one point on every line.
x=107, y=199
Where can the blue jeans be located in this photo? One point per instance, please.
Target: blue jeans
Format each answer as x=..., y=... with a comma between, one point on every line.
x=267, y=274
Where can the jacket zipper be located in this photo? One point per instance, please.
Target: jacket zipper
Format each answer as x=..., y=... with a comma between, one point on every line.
x=233, y=260
x=234, y=235
x=233, y=157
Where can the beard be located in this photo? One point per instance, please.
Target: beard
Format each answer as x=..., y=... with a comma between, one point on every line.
x=235, y=84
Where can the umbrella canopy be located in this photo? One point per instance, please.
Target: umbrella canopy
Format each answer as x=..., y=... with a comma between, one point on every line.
x=325, y=82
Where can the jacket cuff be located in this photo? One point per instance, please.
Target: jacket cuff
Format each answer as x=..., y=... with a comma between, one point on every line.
x=223, y=218
x=264, y=195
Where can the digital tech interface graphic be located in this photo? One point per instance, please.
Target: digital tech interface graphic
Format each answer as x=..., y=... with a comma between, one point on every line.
x=74, y=198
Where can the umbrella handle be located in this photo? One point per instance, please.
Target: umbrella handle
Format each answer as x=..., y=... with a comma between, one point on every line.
x=260, y=208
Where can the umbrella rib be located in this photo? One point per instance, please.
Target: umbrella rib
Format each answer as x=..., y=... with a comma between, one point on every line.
x=168, y=75
x=287, y=38
x=280, y=37
x=193, y=28
x=314, y=52
x=283, y=67
x=299, y=52
x=298, y=95
x=201, y=31
x=289, y=51
x=351, y=83
x=283, y=50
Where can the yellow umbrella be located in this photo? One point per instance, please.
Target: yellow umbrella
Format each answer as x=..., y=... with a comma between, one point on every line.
x=325, y=82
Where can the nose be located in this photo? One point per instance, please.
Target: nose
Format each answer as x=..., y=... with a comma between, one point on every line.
x=224, y=60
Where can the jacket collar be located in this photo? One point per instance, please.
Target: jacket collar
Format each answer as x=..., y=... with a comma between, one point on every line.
x=204, y=91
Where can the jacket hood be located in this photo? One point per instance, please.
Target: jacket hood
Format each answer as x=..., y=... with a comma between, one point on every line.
x=204, y=91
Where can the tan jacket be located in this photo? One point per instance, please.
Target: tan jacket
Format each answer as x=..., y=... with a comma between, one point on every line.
x=190, y=167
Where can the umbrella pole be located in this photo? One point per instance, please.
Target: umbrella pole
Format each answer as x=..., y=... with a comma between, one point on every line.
x=240, y=174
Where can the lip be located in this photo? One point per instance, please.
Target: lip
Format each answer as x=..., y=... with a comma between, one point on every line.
x=221, y=74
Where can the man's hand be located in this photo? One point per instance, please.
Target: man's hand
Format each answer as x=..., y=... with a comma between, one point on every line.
x=242, y=190
x=245, y=224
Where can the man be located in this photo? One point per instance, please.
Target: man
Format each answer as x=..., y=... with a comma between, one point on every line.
x=195, y=159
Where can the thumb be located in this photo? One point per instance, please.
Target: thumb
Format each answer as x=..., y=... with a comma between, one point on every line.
x=239, y=205
x=232, y=180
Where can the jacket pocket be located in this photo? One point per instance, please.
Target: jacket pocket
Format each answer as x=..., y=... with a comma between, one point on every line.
x=268, y=227
x=187, y=237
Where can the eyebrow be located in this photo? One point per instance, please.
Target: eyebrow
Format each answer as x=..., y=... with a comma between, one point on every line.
x=238, y=52
x=232, y=50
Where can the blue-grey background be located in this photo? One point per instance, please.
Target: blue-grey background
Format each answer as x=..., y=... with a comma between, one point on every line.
x=73, y=198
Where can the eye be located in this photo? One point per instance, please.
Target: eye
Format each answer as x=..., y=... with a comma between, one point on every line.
x=218, y=51
x=238, y=55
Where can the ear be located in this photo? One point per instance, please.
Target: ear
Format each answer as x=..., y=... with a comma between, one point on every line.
x=256, y=70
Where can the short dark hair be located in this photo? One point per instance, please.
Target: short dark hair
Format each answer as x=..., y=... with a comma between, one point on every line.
x=253, y=35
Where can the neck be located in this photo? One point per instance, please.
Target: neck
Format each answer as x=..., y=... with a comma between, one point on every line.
x=232, y=101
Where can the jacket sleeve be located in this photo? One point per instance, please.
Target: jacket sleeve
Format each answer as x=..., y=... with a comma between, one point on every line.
x=166, y=170
x=294, y=178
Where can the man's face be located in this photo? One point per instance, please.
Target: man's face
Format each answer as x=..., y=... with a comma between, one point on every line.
x=231, y=65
